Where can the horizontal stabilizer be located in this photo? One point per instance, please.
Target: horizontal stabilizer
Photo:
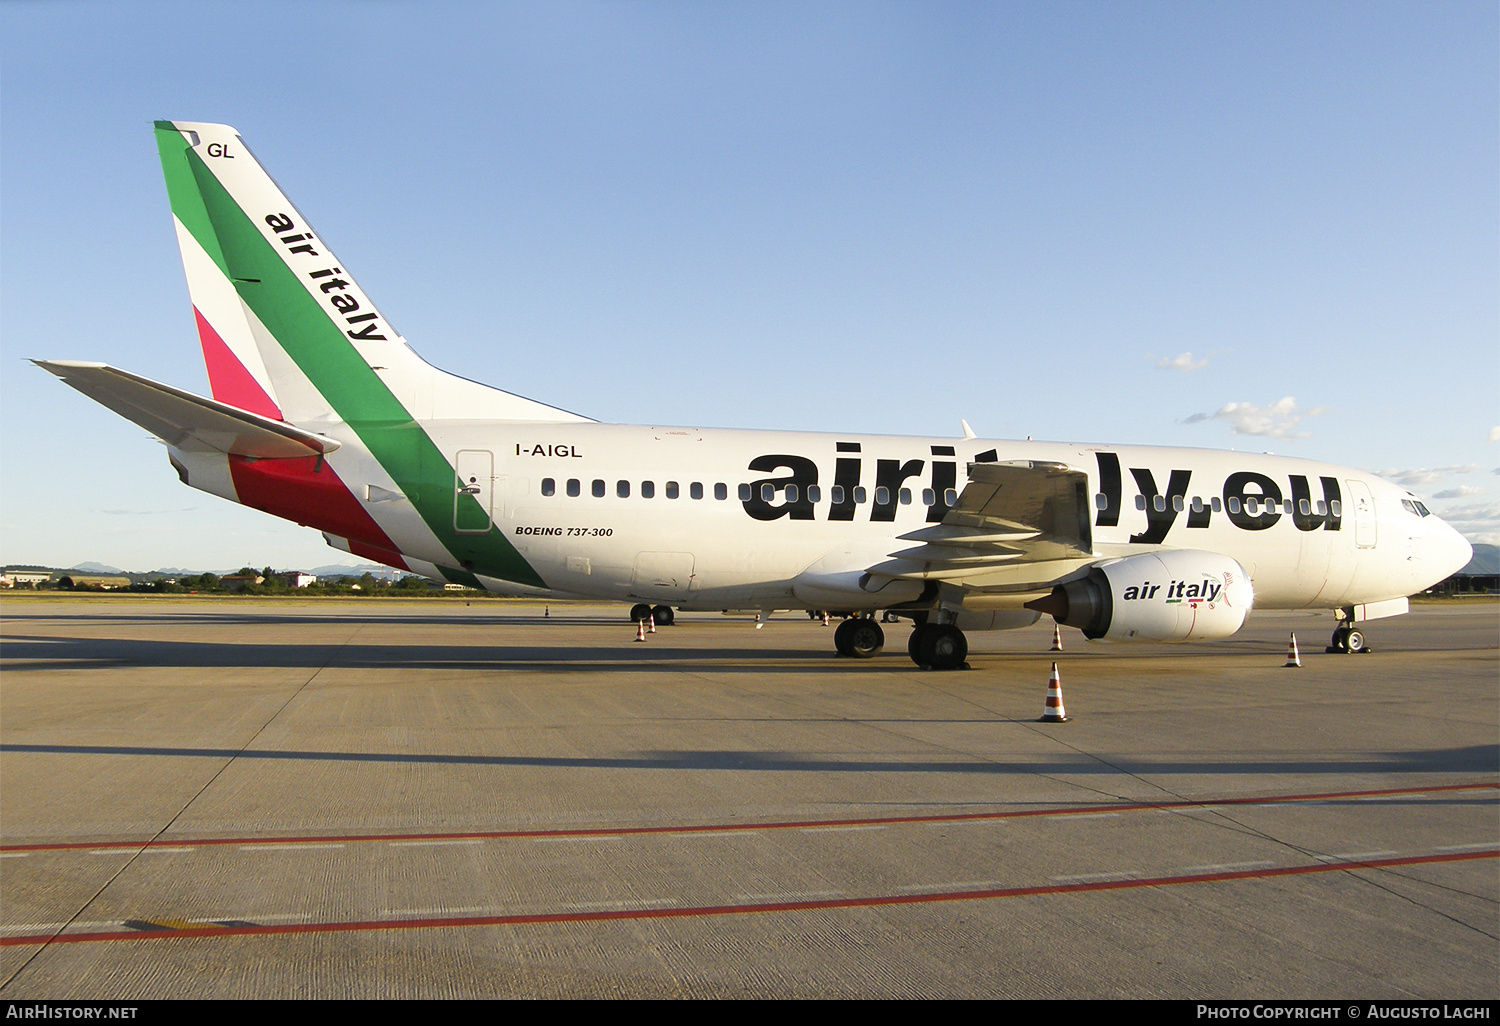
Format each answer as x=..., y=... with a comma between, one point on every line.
x=186, y=421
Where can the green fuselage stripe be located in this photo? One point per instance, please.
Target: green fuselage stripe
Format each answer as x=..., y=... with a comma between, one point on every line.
x=336, y=369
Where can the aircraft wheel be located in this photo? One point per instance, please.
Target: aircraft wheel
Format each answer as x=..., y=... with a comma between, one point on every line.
x=914, y=643
x=663, y=616
x=841, y=637
x=639, y=612
x=1354, y=642
x=944, y=647
x=859, y=638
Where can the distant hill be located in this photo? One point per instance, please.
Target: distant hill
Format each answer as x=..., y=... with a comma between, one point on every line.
x=1486, y=560
x=345, y=570
x=96, y=568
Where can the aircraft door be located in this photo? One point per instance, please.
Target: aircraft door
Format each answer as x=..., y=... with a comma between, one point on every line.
x=473, y=491
x=1364, y=514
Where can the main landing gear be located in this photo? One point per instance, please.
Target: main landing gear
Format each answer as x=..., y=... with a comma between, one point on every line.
x=932, y=646
x=938, y=646
x=859, y=638
x=662, y=616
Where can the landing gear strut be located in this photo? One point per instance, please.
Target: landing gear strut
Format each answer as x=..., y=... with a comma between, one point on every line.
x=859, y=638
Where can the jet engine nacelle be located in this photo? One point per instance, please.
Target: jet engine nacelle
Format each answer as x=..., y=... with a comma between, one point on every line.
x=1173, y=595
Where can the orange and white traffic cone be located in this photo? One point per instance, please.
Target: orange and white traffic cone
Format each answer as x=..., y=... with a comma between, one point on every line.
x=1054, y=711
x=640, y=630
x=1056, y=638
x=651, y=623
x=825, y=618
x=1292, y=658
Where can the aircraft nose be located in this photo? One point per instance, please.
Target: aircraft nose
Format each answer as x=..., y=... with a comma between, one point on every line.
x=1452, y=550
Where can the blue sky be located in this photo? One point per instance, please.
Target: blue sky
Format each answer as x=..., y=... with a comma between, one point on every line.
x=861, y=217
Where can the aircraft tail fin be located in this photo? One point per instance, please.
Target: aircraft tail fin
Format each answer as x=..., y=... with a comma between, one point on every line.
x=286, y=332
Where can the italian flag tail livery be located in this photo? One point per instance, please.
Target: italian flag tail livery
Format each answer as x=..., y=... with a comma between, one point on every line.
x=289, y=336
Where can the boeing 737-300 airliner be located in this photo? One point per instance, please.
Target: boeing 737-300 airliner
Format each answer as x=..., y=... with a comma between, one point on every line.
x=321, y=414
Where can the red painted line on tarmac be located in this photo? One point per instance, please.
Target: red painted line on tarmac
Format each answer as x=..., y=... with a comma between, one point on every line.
x=874, y=901
x=797, y=824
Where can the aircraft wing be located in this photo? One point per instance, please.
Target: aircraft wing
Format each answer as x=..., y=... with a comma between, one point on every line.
x=187, y=421
x=1010, y=518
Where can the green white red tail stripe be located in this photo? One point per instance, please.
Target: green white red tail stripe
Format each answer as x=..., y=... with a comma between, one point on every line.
x=287, y=332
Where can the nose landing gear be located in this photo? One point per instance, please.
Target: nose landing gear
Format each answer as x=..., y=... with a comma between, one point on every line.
x=1349, y=640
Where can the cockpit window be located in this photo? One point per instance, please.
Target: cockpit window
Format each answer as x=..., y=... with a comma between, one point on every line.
x=1415, y=508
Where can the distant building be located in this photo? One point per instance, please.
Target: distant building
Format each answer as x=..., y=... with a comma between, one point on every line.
x=23, y=578
x=239, y=582
x=297, y=579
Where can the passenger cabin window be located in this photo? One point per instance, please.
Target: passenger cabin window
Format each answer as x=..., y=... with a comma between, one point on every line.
x=1197, y=504
x=1159, y=503
x=1336, y=507
x=906, y=497
x=836, y=495
x=1214, y=504
x=882, y=495
x=598, y=488
x=1234, y=504
x=859, y=496
x=1304, y=506
x=1101, y=501
x=574, y=487
x=1140, y=502
x=671, y=489
x=950, y=496
x=744, y=492
x=648, y=489
x=791, y=493
x=1177, y=503
x=814, y=494
x=1322, y=508
x=767, y=492
x=549, y=486
x=696, y=489
x=721, y=491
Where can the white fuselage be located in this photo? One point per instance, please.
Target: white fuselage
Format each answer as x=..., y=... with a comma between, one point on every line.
x=647, y=537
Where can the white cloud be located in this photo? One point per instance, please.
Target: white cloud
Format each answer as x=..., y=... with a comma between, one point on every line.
x=1416, y=476
x=1278, y=420
x=1477, y=521
x=1495, y=434
x=1462, y=491
x=1185, y=362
